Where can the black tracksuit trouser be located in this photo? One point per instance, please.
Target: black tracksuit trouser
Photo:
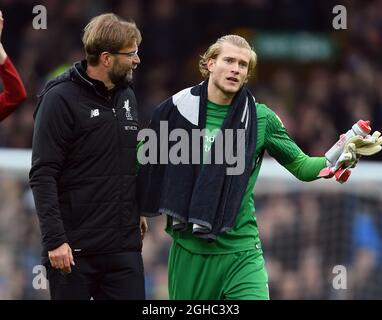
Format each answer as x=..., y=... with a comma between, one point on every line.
x=101, y=277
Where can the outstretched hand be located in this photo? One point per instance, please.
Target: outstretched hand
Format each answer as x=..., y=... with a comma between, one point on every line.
x=356, y=147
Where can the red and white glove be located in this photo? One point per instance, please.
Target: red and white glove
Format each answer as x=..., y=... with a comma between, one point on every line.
x=348, y=159
x=356, y=147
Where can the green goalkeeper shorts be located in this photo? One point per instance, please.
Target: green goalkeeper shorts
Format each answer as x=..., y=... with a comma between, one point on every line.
x=240, y=275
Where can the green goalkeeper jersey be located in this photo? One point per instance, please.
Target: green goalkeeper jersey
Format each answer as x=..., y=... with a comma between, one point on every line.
x=273, y=137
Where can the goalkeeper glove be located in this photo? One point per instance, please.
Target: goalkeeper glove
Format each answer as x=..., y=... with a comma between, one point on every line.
x=369, y=145
x=356, y=147
x=348, y=159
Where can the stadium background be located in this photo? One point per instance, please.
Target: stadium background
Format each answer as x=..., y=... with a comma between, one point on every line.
x=318, y=80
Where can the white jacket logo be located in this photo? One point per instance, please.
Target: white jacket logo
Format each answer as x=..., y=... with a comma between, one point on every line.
x=128, y=110
x=94, y=113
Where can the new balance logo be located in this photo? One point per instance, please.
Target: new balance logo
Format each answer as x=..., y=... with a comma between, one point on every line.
x=94, y=113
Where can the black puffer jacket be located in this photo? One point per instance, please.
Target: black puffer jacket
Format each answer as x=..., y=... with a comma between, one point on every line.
x=83, y=173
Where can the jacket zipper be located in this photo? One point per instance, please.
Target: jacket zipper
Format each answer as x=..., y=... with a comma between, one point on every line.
x=120, y=173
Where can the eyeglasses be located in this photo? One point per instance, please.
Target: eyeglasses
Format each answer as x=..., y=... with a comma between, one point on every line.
x=130, y=54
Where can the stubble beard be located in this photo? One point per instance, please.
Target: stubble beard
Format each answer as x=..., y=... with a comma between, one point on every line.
x=118, y=77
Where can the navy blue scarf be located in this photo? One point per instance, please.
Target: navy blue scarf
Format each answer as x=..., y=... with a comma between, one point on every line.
x=201, y=194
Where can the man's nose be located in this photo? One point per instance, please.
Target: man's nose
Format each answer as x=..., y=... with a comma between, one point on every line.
x=137, y=60
x=235, y=68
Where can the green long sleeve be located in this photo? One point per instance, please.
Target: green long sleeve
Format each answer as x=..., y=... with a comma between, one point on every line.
x=306, y=168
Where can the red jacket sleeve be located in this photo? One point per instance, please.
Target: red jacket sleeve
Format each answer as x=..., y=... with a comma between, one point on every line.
x=14, y=91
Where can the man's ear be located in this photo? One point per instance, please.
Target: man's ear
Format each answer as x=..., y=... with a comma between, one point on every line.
x=211, y=64
x=105, y=59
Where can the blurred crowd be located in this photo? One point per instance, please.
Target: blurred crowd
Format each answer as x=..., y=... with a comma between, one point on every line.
x=303, y=238
x=321, y=245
